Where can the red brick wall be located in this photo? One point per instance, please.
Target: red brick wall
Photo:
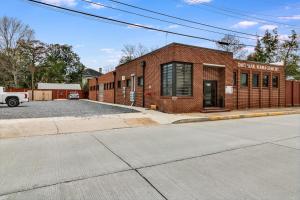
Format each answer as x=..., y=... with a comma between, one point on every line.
x=92, y=89
x=108, y=95
x=292, y=93
x=260, y=97
x=242, y=97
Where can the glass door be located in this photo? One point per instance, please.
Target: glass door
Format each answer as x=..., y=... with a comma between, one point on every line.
x=210, y=93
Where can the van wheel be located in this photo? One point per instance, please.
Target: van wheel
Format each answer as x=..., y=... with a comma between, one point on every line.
x=13, y=102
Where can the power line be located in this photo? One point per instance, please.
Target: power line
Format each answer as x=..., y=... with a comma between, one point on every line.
x=135, y=25
x=162, y=20
x=122, y=22
x=261, y=20
x=182, y=19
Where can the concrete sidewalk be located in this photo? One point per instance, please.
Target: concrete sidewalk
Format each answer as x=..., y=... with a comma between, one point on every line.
x=12, y=128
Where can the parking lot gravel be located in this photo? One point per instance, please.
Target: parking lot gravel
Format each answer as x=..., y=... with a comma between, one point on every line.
x=72, y=108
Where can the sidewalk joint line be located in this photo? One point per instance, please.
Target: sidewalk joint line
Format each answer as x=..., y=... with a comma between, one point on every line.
x=204, y=155
x=143, y=177
x=284, y=146
x=64, y=182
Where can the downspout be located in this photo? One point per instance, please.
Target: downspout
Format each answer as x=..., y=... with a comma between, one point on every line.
x=143, y=65
x=114, y=73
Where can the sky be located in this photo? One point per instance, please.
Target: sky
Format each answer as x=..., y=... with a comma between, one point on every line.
x=99, y=43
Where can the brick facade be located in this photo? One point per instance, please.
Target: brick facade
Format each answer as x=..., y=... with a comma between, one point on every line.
x=208, y=64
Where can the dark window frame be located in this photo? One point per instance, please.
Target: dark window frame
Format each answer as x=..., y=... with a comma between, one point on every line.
x=119, y=84
x=268, y=81
x=247, y=79
x=174, y=81
x=255, y=84
x=128, y=82
x=277, y=81
x=234, y=78
x=140, y=81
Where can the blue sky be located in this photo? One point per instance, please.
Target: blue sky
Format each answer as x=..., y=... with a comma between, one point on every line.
x=99, y=43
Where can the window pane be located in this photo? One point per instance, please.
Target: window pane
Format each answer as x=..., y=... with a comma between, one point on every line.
x=140, y=81
x=275, y=81
x=255, y=80
x=119, y=84
x=128, y=83
x=167, y=75
x=266, y=81
x=244, y=79
x=183, y=79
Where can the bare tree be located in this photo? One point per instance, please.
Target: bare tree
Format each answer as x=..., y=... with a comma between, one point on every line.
x=131, y=52
x=231, y=43
x=12, y=31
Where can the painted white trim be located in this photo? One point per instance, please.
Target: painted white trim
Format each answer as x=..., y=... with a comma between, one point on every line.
x=213, y=65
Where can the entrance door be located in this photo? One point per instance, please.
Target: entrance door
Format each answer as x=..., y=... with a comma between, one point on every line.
x=210, y=93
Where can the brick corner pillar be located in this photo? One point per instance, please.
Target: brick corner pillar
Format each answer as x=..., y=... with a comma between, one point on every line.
x=228, y=79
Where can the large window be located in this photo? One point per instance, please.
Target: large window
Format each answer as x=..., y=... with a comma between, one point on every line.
x=176, y=79
x=244, y=79
x=167, y=79
x=255, y=80
x=275, y=81
x=266, y=81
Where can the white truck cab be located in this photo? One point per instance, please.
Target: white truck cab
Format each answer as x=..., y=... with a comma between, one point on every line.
x=13, y=99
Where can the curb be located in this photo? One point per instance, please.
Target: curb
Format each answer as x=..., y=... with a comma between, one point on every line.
x=228, y=117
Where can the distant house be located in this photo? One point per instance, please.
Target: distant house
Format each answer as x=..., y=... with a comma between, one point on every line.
x=89, y=73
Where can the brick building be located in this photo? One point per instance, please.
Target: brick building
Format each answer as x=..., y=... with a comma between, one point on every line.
x=181, y=78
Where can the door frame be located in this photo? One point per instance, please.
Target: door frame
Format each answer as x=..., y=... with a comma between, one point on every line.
x=216, y=93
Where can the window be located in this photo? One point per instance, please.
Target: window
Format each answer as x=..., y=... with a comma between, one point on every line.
x=105, y=86
x=255, y=80
x=266, y=81
x=234, y=78
x=128, y=83
x=244, y=79
x=176, y=79
x=140, y=81
x=275, y=81
x=183, y=79
x=112, y=85
x=167, y=79
x=119, y=84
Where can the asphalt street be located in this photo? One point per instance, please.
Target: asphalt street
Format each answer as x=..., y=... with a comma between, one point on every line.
x=255, y=159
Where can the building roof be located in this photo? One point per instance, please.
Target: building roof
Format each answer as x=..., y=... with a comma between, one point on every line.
x=175, y=44
x=88, y=72
x=58, y=86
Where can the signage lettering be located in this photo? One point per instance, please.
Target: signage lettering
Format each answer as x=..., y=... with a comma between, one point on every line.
x=258, y=66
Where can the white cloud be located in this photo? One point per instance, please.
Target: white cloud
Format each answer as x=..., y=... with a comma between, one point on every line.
x=61, y=2
x=196, y=1
x=173, y=26
x=268, y=27
x=283, y=37
x=293, y=17
x=94, y=6
x=107, y=50
x=245, y=24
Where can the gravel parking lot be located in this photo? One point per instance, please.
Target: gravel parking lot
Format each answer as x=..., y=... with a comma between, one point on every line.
x=41, y=109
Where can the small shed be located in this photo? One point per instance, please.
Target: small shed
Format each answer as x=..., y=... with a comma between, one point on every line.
x=61, y=90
